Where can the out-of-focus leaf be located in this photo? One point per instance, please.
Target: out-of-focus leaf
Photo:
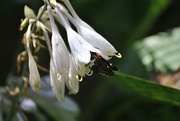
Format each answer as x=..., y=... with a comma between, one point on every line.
x=64, y=111
x=161, y=51
x=67, y=110
x=146, y=88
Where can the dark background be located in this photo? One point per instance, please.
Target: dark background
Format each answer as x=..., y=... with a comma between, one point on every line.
x=122, y=22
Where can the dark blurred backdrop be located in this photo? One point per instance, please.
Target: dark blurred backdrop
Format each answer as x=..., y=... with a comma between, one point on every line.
x=122, y=22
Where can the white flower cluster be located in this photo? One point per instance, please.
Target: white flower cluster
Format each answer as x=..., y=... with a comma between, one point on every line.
x=67, y=66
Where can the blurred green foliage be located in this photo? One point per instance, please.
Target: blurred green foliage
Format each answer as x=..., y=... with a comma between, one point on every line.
x=123, y=23
x=161, y=51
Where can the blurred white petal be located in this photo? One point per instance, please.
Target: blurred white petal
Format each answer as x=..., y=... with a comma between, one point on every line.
x=28, y=105
x=59, y=65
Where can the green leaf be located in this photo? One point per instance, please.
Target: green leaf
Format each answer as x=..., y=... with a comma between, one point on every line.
x=146, y=88
x=28, y=12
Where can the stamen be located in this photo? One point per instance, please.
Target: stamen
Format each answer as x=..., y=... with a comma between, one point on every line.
x=13, y=93
x=118, y=55
x=90, y=73
x=79, y=78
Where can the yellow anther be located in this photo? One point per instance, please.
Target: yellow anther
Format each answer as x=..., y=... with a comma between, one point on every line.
x=118, y=55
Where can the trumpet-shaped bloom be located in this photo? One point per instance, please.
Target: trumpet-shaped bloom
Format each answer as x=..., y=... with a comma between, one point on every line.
x=34, y=77
x=60, y=52
x=80, y=48
x=90, y=35
x=59, y=68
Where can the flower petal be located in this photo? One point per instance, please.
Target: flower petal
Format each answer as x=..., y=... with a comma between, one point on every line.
x=90, y=45
x=60, y=53
x=73, y=82
x=77, y=47
x=34, y=77
x=88, y=33
x=96, y=40
x=57, y=82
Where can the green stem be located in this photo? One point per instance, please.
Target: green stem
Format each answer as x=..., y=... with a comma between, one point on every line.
x=39, y=17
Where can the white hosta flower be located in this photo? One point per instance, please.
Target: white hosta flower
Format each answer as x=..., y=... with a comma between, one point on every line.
x=80, y=48
x=56, y=81
x=60, y=52
x=90, y=35
x=34, y=77
x=60, y=57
